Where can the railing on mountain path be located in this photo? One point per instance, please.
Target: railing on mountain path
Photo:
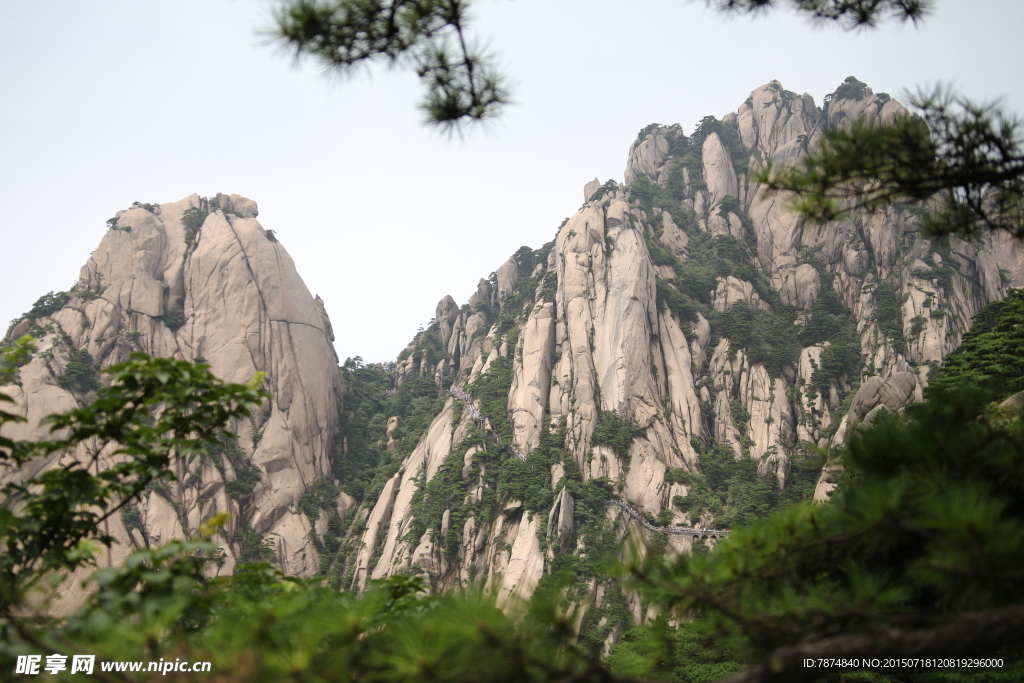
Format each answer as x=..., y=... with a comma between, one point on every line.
x=684, y=530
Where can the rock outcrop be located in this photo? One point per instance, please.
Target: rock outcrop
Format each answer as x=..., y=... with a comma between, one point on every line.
x=200, y=279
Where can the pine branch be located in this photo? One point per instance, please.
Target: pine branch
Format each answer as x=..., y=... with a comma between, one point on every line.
x=963, y=159
x=850, y=14
x=461, y=80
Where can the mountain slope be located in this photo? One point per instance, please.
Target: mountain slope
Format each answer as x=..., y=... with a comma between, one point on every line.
x=679, y=328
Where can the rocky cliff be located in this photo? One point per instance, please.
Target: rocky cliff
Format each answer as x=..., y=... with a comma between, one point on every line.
x=671, y=360
x=201, y=280
x=684, y=339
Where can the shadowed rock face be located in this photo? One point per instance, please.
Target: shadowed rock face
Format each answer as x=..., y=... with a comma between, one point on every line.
x=232, y=297
x=603, y=341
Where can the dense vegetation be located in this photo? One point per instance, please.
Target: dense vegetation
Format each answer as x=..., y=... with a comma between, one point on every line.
x=731, y=489
x=992, y=352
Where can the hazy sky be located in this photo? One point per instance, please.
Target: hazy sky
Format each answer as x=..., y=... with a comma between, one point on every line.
x=106, y=103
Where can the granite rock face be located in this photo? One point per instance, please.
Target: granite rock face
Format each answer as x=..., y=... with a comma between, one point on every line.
x=224, y=292
x=659, y=311
x=594, y=335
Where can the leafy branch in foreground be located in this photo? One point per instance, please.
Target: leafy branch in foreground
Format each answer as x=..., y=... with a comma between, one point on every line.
x=429, y=35
x=963, y=158
x=261, y=626
x=154, y=408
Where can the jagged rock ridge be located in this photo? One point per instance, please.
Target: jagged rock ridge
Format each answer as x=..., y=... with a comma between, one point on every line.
x=626, y=314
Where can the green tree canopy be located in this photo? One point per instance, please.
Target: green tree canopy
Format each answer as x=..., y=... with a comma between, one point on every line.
x=992, y=352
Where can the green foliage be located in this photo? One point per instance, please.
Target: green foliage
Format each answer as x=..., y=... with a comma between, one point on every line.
x=360, y=459
x=48, y=304
x=174, y=319
x=917, y=324
x=572, y=573
x=616, y=431
x=446, y=490
x=647, y=130
x=739, y=414
x=642, y=189
x=731, y=489
x=13, y=356
x=850, y=14
x=253, y=548
x=79, y=375
x=270, y=235
x=889, y=314
x=992, y=352
x=684, y=307
x=132, y=518
x=193, y=220
x=828, y=317
x=88, y=294
x=320, y=494
x=685, y=654
x=491, y=390
x=840, y=359
x=678, y=475
x=151, y=581
x=943, y=274
x=833, y=322
x=711, y=258
x=529, y=480
x=247, y=475
x=610, y=187
x=153, y=407
x=767, y=338
x=686, y=152
x=885, y=553
x=363, y=419
x=262, y=627
x=851, y=89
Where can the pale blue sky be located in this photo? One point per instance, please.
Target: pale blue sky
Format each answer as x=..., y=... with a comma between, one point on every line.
x=110, y=102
